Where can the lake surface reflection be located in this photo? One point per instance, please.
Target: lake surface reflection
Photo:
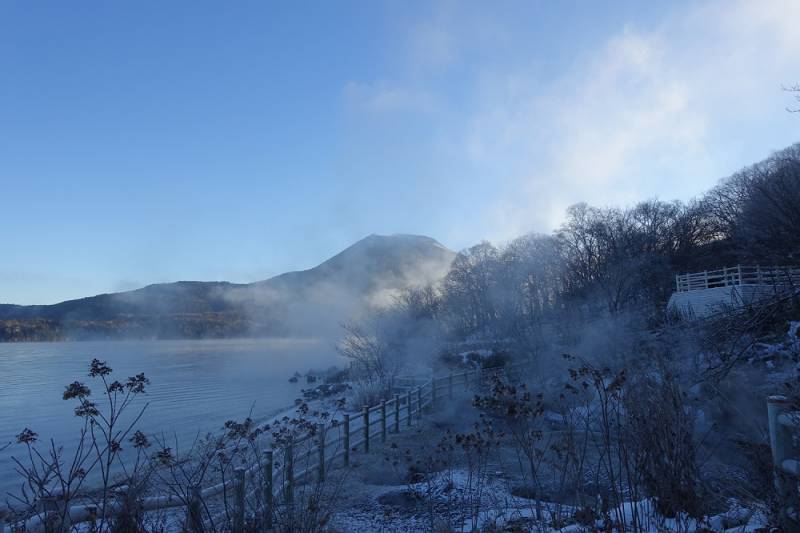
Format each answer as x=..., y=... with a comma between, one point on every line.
x=195, y=385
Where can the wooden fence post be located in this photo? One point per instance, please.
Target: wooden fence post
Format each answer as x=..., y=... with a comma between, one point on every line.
x=397, y=413
x=366, y=429
x=238, y=500
x=347, y=440
x=53, y=507
x=450, y=385
x=56, y=510
x=268, y=460
x=321, y=446
x=780, y=440
x=194, y=516
x=383, y=420
x=288, y=476
x=408, y=407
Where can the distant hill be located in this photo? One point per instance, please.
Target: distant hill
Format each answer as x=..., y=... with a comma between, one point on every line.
x=305, y=303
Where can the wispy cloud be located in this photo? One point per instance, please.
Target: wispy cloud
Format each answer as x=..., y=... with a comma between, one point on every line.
x=660, y=110
x=380, y=97
x=645, y=115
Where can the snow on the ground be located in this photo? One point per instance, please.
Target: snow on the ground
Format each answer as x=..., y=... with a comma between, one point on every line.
x=450, y=492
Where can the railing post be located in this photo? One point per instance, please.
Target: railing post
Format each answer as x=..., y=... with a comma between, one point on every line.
x=268, y=500
x=321, y=446
x=366, y=429
x=194, y=516
x=780, y=440
x=408, y=408
x=677, y=284
x=238, y=500
x=419, y=402
x=383, y=420
x=56, y=511
x=288, y=476
x=705, y=277
x=347, y=440
x=450, y=385
x=397, y=413
x=48, y=507
x=739, y=273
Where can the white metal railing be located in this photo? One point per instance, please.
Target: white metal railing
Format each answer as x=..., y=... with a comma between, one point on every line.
x=354, y=432
x=736, y=276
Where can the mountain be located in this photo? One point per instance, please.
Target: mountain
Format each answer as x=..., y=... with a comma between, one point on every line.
x=312, y=302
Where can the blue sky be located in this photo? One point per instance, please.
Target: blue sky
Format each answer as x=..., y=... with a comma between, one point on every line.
x=145, y=142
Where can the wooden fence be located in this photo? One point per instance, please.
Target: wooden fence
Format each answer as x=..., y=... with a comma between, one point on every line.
x=354, y=433
x=783, y=424
x=735, y=276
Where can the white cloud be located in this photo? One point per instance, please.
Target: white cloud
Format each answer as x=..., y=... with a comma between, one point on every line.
x=381, y=97
x=659, y=110
x=643, y=116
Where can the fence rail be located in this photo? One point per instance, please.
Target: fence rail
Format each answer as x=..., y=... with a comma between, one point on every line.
x=736, y=276
x=354, y=433
x=784, y=424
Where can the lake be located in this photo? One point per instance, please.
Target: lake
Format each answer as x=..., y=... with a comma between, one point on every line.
x=195, y=386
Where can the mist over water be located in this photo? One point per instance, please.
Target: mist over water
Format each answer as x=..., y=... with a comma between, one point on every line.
x=195, y=386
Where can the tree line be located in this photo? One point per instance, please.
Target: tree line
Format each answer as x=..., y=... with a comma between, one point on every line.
x=601, y=261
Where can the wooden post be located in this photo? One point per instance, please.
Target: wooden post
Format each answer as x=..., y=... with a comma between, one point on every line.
x=397, y=413
x=366, y=429
x=383, y=420
x=238, y=500
x=705, y=276
x=268, y=502
x=321, y=446
x=55, y=509
x=408, y=407
x=194, y=517
x=780, y=440
x=450, y=385
x=288, y=488
x=347, y=440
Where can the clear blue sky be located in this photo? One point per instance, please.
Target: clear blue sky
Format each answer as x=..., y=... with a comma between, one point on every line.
x=143, y=142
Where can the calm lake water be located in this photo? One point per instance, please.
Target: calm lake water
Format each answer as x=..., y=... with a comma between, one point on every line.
x=195, y=385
